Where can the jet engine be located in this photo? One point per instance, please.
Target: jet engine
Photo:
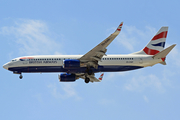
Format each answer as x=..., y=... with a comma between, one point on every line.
x=67, y=77
x=71, y=64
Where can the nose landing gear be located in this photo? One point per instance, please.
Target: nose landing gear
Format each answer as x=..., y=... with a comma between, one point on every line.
x=18, y=72
x=20, y=76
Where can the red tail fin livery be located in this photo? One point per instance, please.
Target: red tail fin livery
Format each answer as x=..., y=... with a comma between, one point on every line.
x=157, y=43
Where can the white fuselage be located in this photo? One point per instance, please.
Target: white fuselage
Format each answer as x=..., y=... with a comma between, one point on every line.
x=84, y=66
x=54, y=63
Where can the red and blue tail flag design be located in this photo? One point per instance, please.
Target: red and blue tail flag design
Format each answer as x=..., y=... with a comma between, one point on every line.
x=157, y=43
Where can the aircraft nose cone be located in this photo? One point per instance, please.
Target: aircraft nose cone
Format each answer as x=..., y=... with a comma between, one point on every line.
x=5, y=66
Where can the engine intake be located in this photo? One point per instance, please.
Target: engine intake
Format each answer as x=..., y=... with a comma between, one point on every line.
x=71, y=64
x=67, y=77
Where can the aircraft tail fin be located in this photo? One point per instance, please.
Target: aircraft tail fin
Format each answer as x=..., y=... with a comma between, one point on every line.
x=156, y=44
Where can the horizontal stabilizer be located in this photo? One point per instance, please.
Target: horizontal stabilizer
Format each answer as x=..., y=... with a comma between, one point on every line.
x=164, y=52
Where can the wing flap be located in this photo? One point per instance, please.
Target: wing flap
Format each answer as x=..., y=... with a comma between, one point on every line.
x=94, y=79
x=91, y=77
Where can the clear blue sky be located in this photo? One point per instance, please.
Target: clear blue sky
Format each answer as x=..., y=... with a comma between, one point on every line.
x=74, y=27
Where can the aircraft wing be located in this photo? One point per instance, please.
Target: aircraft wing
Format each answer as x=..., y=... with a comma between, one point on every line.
x=93, y=56
x=91, y=77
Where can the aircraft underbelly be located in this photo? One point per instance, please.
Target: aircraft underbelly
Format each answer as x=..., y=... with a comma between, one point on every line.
x=78, y=70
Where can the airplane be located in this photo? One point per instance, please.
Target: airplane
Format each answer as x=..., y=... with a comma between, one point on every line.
x=73, y=67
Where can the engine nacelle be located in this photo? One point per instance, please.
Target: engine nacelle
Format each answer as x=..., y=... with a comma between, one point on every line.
x=71, y=64
x=67, y=77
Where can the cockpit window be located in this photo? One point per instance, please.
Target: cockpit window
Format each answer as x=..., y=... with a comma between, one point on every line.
x=13, y=60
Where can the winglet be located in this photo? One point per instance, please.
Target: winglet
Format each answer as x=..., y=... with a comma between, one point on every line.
x=119, y=28
x=101, y=76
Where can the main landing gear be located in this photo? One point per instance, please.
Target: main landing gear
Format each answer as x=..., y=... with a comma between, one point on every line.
x=87, y=80
x=89, y=70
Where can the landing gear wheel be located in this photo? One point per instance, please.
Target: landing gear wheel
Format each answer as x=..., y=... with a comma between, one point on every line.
x=87, y=80
x=20, y=76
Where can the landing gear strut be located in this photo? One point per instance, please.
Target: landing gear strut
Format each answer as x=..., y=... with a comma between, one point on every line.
x=20, y=76
x=87, y=80
x=89, y=71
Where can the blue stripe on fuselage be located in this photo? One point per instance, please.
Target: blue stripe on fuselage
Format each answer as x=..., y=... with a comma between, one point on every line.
x=79, y=70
